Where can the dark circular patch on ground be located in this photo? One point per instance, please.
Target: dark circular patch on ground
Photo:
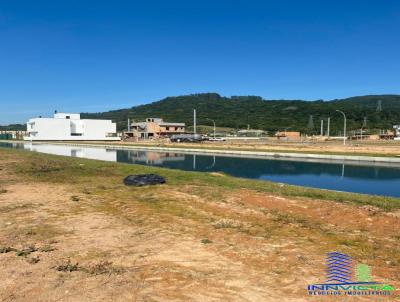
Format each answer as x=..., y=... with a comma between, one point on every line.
x=143, y=180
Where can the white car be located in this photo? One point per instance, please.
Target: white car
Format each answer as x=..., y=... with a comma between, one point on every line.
x=216, y=139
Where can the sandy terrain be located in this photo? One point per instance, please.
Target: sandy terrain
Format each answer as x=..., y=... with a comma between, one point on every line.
x=102, y=241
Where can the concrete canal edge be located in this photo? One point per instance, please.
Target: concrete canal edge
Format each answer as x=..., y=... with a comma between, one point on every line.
x=335, y=157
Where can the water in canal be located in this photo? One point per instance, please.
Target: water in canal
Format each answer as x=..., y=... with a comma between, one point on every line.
x=341, y=176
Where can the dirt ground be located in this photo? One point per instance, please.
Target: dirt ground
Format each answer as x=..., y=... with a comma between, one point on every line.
x=102, y=241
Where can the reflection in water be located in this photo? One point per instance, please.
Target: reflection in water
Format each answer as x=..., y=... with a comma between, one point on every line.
x=152, y=158
x=213, y=163
x=83, y=152
x=378, y=180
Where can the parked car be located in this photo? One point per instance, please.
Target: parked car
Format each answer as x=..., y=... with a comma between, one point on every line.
x=178, y=138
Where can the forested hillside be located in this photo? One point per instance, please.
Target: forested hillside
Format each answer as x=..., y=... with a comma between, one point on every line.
x=14, y=127
x=380, y=111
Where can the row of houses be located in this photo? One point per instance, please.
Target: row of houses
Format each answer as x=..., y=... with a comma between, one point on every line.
x=12, y=134
x=70, y=127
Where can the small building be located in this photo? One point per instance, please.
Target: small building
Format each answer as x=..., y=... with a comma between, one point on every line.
x=12, y=134
x=70, y=127
x=361, y=134
x=387, y=134
x=287, y=134
x=396, y=132
x=154, y=128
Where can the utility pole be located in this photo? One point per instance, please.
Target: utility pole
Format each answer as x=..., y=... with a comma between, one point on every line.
x=310, y=125
x=364, y=122
x=329, y=126
x=344, y=126
x=129, y=125
x=322, y=127
x=194, y=121
x=364, y=125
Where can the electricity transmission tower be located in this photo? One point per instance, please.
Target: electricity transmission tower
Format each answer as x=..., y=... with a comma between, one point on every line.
x=364, y=125
x=379, y=106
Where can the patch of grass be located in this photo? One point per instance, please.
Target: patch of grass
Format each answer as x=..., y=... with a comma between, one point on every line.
x=41, y=231
x=31, y=249
x=228, y=223
x=46, y=249
x=206, y=241
x=157, y=200
x=396, y=237
x=68, y=266
x=282, y=217
x=75, y=198
x=11, y=208
x=349, y=242
x=26, y=251
x=86, y=191
x=103, y=267
x=95, y=254
x=298, y=220
x=7, y=249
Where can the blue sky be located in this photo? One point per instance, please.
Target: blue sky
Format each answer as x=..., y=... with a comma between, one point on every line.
x=88, y=56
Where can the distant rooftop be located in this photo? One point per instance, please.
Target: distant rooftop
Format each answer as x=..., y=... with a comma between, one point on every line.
x=72, y=116
x=158, y=121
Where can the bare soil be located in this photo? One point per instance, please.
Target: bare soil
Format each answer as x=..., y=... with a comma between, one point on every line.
x=89, y=242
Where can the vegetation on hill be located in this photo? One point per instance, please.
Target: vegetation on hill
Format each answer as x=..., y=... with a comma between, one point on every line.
x=13, y=127
x=252, y=111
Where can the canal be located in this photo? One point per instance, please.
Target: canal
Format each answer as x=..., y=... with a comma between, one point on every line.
x=364, y=178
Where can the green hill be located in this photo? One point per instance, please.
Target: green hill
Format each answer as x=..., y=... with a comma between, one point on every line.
x=271, y=115
x=13, y=127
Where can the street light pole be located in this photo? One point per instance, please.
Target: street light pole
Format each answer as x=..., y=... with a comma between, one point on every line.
x=329, y=125
x=213, y=123
x=194, y=122
x=344, y=126
x=322, y=127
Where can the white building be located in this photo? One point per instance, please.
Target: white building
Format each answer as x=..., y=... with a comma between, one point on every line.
x=396, y=132
x=70, y=127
